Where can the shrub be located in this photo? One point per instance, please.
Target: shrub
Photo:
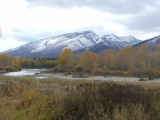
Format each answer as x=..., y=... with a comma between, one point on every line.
x=2, y=68
x=59, y=68
x=156, y=100
x=9, y=68
x=28, y=97
x=78, y=68
x=7, y=88
x=98, y=99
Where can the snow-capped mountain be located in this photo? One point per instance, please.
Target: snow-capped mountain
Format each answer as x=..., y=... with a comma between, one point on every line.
x=53, y=46
x=152, y=43
x=128, y=39
x=114, y=42
x=79, y=41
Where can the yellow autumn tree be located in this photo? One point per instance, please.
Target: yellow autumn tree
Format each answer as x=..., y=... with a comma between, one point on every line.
x=158, y=48
x=87, y=58
x=5, y=60
x=16, y=62
x=65, y=57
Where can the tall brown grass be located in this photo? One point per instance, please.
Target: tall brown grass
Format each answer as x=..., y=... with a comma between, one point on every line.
x=51, y=99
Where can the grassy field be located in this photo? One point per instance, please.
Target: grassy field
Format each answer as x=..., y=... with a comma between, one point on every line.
x=57, y=99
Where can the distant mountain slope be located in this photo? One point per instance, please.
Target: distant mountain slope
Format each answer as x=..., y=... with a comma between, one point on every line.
x=114, y=42
x=152, y=43
x=53, y=46
x=78, y=42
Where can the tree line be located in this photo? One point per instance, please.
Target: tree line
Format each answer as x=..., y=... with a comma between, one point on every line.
x=130, y=61
x=37, y=63
x=8, y=63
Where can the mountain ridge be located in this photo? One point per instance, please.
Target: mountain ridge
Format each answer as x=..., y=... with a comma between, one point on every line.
x=77, y=41
x=152, y=43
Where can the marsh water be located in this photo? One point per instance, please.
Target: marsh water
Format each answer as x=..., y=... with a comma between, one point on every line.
x=40, y=74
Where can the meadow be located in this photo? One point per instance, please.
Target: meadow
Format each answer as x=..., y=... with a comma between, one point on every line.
x=61, y=99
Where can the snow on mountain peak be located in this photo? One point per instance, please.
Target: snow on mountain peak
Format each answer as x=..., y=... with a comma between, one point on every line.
x=129, y=38
x=77, y=41
x=111, y=37
x=154, y=40
x=73, y=41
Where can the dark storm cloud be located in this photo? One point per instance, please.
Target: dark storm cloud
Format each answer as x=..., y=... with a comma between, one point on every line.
x=113, y=6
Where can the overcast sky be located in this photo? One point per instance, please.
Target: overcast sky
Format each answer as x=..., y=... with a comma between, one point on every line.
x=23, y=21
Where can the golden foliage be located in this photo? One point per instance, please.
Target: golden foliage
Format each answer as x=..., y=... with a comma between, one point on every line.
x=65, y=57
x=16, y=62
x=5, y=60
x=137, y=61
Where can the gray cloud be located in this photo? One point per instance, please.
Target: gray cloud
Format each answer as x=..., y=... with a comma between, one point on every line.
x=113, y=6
x=29, y=35
x=139, y=15
x=22, y=34
x=148, y=22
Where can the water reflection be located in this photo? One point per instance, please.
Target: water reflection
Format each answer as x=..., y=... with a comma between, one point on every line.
x=24, y=73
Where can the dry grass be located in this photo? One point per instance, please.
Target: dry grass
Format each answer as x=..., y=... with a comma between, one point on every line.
x=45, y=99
